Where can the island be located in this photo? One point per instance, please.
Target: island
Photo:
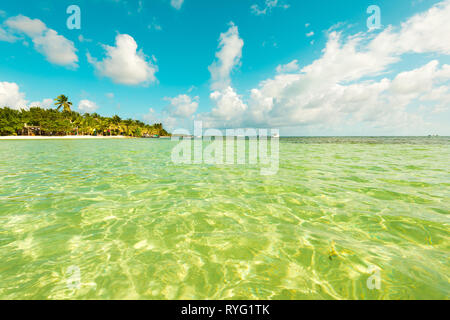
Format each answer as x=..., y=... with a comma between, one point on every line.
x=64, y=122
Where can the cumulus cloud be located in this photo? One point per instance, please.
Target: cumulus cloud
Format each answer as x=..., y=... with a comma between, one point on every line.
x=12, y=97
x=6, y=36
x=179, y=113
x=352, y=84
x=176, y=4
x=124, y=63
x=288, y=68
x=423, y=33
x=228, y=56
x=323, y=92
x=268, y=6
x=87, y=106
x=183, y=106
x=311, y=98
x=81, y=38
x=56, y=48
x=227, y=103
x=169, y=122
x=44, y=104
x=30, y=27
x=229, y=107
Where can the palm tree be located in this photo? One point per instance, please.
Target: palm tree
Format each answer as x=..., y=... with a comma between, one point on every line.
x=116, y=119
x=53, y=122
x=128, y=123
x=63, y=101
x=116, y=124
x=88, y=124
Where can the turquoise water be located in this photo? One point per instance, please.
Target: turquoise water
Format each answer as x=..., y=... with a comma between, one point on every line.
x=116, y=219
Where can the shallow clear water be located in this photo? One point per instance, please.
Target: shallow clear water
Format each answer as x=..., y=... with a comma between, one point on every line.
x=131, y=224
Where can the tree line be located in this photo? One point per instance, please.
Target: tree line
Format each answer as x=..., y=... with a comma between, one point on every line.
x=53, y=122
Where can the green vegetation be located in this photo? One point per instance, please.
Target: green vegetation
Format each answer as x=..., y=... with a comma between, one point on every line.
x=63, y=101
x=52, y=122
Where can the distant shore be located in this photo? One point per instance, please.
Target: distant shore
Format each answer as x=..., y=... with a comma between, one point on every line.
x=59, y=137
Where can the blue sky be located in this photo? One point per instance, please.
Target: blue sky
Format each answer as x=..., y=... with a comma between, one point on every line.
x=181, y=72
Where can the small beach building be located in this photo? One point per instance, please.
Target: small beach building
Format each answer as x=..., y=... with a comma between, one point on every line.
x=31, y=130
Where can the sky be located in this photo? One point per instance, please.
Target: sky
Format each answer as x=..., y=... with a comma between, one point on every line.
x=307, y=68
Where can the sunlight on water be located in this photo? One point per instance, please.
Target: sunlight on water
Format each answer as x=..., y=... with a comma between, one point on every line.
x=136, y=226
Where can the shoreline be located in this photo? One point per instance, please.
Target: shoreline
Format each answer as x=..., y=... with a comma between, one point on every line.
x=60, y=137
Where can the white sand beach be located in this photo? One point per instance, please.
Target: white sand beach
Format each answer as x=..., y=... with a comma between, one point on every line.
x=59, y=137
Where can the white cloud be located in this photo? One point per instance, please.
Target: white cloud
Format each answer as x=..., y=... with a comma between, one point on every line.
x=30, y=27
x=315, y=96
x=288, y=68
x=44, y=104
x=268, y=6
x=124, y=63
x=6, y=36
x=416, y=81
x=169, y=122
x=10, y=96
x=87, y=106
x=228, y=56
x=56, y=48
x=176, y=4
x=81, y=38
x=183, y=106
x=310, y=34
x=229, y=106
x=227, y=103
x=345, y=61
x=343, y=88
x=426, y=32
x=228, y=111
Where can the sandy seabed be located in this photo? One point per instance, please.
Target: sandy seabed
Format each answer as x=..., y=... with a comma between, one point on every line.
x=58, y=137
